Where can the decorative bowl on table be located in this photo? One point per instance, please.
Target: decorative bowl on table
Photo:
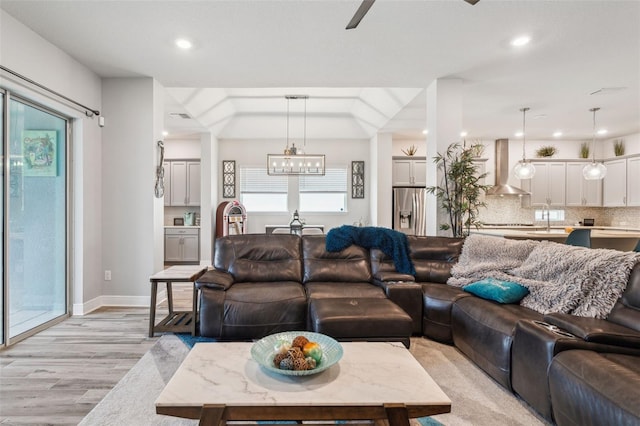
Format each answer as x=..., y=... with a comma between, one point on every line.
x=325, y=353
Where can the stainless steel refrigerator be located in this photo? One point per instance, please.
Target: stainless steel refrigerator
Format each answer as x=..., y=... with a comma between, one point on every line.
x=408, y=210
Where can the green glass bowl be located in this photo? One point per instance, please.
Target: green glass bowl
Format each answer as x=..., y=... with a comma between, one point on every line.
x=264, y=350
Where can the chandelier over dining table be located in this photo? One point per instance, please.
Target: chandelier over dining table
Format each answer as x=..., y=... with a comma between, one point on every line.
x=295, y=160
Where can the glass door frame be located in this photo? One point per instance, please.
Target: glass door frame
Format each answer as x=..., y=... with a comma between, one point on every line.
x=6, y=296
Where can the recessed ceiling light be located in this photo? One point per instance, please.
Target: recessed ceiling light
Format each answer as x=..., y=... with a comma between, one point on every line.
x=425, y=132
x=602, y=131
x=519, y=134
x=165, y=133
x=183, y=43
x=557, y=134
x=463, y=134
x=520, y=41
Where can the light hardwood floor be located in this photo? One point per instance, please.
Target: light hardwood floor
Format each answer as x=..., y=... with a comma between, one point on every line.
x=57, y=376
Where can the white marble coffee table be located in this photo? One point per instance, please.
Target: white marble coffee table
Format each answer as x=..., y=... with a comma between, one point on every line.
x=219, y=382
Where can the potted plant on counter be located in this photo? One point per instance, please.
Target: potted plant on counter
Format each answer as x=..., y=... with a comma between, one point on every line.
x=460, y=192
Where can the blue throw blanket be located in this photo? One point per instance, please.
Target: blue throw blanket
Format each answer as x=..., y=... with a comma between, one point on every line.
x=392, y=243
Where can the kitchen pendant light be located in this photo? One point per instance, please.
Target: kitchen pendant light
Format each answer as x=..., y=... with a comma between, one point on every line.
x=524, y=169
x=593, y=170
x=295, y=160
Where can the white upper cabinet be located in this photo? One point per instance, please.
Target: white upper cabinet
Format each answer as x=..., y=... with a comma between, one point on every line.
x=614, y=184
x=167, y=183
x=410, y=172
x=548, y=184
x=633, y=181
x=580, y=191
x=185, y=183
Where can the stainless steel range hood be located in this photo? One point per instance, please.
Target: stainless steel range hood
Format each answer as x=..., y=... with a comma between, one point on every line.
x=502, y=172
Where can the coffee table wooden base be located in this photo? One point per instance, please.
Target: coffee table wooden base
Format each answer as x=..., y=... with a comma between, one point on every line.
x=216, y=414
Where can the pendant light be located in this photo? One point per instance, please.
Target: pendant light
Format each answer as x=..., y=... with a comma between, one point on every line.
x=593, y=170
x=295, y=160
x=524, y=169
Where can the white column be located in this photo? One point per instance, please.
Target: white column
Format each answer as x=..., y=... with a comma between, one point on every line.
x=444, y=122
x=210, y=184
x=381, y=191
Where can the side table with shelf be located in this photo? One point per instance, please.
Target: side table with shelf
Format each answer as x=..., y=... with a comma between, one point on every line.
x=175, y=321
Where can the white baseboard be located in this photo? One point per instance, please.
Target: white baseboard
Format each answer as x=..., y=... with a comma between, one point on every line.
x=120, y=301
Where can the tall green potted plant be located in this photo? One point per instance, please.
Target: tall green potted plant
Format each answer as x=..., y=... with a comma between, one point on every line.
x=460, y=192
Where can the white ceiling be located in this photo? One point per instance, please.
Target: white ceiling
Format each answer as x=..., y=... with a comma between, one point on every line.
x=249, y=54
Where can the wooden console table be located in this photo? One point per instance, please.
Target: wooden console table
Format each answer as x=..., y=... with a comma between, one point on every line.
x=175, y=321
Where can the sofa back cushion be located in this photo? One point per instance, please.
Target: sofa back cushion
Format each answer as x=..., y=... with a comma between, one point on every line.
x=259, y=258
x=349, y=265
x=626, y=311
x=432, y=257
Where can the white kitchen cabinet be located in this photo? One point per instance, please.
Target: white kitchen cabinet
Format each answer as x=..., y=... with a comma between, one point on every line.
x=167, y=183
x=614, y=184
x=580, y=191
x=185, y=183
x=410, y=171
x=633, y=181
x=181, y=245
x=548, y=184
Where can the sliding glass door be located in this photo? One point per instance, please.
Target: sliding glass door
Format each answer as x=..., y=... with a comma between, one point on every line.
x=35, y=239
x=2, y=174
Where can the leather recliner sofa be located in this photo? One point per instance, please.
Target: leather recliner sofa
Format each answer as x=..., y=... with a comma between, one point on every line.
x=527, y=352
x=516, y=346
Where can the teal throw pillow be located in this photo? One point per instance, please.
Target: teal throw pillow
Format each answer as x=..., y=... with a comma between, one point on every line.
x=497, y=290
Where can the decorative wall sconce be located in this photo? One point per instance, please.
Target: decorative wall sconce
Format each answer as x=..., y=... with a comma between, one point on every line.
x=228, y=179
x=357, y=179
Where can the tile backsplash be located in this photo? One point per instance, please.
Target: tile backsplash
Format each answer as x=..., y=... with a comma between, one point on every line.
x=509, y=210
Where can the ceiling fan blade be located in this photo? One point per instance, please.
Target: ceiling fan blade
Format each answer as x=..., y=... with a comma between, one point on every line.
x=362, y=10
x=472, y=2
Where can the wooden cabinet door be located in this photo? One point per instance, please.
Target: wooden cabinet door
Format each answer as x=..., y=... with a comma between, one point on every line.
x=574, y=184
x=190, y=248
x=420, y=172
x=614, y=185
x=173, y=248
x=402, y=173
x=556, y=184
x=167, y=183
x=633, y=181
x=539, y=185
x=178, y=183
x=193, y=183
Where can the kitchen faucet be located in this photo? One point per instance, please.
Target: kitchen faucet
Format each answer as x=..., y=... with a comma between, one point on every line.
x=545, y=207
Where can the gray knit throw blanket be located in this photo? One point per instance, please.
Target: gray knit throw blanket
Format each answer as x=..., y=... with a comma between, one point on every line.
x=560, y=278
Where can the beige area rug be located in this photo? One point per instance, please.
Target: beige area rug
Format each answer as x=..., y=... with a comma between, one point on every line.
x=476, y=399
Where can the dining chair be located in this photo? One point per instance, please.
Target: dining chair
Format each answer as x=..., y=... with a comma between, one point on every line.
x=579, y=237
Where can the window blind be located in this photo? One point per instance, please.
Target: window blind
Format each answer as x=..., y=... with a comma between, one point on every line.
x=256, y=180
x=334, y=180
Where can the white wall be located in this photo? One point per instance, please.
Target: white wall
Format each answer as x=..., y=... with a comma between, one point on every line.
x=182, y=149
x=129, y=155
x=27, y=53
x=338, y=152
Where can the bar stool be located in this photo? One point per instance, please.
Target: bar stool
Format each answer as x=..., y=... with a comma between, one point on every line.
x=579, y=237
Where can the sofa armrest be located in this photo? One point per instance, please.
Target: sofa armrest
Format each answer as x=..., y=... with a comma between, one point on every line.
x=392, y=276
x=215, y=279
x=408, y=296
x=595, y=330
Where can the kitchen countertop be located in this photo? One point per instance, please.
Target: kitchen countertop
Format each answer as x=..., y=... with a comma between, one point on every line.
x=624, y=239
x=182, y=226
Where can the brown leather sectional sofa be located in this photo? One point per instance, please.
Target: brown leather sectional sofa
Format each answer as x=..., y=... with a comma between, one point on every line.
x=571, y=370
